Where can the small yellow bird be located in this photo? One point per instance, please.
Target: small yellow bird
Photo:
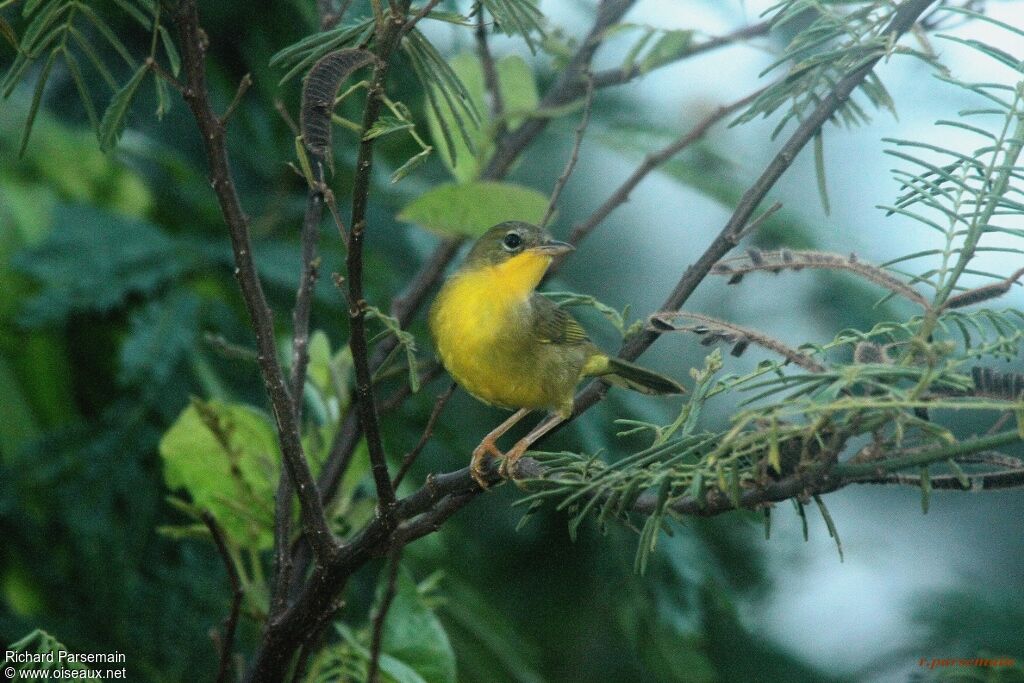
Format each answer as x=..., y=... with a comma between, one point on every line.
x=513, y=348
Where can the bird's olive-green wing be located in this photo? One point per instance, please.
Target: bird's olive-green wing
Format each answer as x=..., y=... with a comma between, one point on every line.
x=554, y=325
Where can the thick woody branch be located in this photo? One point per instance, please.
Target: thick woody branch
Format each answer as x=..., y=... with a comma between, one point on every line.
x=212, y=130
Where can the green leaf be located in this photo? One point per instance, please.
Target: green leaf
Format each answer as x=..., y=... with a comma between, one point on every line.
x=414, y=635
x=37, y=98
x=79, y=268
x=518, y=87
x=161, y=337
x=518, y=94
x=19, y=423
x=226, y=457
x=114, y=117
x=42, y=643
x=469, y=210
x=414, y=162
x=173, y=58
x=385, y=125
x=671, y=46
x=8, y=33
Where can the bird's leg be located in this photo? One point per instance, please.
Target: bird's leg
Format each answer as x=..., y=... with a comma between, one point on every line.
x=489, y=446
x=508, y=465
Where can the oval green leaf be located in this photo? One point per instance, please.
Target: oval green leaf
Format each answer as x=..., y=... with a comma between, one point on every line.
x=469, y=209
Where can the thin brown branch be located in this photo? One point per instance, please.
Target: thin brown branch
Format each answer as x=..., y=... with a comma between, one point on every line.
x=403, y=308
x=787, y=259
x=712, y=330
x=570, y=166
x=491, y=81
x=622, y=75
x=567, y=88
x=978, y=481
x=423, y=12
x=300, y=361
x=651, y=162
x=390, y=589
x=165, y=74
x=197, y=96
x=388, y=41
x=428, y=431
x=286, y=116
x=231, y=621
x=332, y=205
x=243, y=87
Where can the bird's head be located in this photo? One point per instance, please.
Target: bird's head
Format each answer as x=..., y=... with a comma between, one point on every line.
x=513, y=240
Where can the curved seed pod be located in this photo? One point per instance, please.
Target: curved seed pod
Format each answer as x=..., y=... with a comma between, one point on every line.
x=319, y=92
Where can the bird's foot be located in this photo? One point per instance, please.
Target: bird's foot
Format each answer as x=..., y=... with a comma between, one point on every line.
x=510, y=464
x=480, y=464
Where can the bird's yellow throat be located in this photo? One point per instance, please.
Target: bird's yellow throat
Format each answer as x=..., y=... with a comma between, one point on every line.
x=506, y=283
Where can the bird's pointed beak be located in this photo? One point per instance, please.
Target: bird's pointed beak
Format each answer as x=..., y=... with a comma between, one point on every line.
x=554, y=247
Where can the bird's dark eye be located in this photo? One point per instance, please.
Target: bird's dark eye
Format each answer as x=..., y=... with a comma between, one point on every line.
x=512, y=241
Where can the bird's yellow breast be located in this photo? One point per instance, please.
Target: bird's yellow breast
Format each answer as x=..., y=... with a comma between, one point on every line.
x=481, y=326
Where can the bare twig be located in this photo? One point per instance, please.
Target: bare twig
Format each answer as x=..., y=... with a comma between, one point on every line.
x=297, y=381
x=231, y=622
x=390, y=589
x=243, y=87
x=984, y=293
x=651, y=162
x=428, y=431
x=424, y=11
x=332, y=204
x=621, y=75
x=491, y=81
x=388, y=41
x=713, y=329
x=570, y=166
x=788, y=259
x=403, y=308
x=287, y=117
x=164, y=74
x=567, y=88
x=978, y=481
x=213, y=135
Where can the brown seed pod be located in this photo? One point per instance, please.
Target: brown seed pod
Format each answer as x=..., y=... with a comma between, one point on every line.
x=319, y=91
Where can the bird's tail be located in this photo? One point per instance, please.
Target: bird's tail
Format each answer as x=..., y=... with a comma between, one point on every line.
x=622, y=373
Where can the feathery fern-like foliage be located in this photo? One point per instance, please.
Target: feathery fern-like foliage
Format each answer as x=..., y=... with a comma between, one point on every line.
x=75, y=32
